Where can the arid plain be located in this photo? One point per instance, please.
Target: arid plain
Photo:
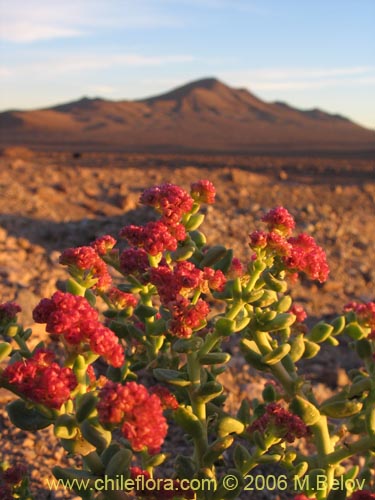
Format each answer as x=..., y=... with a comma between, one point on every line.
x=50, y=201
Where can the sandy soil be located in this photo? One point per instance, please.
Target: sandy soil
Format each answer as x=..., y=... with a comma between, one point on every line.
x=51, y=201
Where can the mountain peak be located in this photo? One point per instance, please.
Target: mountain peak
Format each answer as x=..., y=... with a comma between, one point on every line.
x=178, y=93
x=84, y=103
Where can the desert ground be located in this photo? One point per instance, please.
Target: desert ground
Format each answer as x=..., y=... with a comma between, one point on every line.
x=50, y=201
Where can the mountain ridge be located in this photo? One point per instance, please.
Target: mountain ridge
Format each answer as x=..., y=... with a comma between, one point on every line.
x=205, y=114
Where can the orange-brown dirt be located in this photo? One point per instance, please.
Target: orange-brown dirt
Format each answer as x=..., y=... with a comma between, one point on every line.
x=50, y=201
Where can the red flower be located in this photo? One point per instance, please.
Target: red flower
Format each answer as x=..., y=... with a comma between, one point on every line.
x=236, y=269
x=258, y=239
x=306, y=256
x=120, y=299
x=134, y=261
x=280, y=422
x=187, y=317
x=299, y=312
x=203, y=191
x=278, y=244
x=8, y=312
x=41, y=380
x=170, y=283
x=166, y=283
x=279, y=219
x=168, y=400
x=215, y=279
x=74, y=318
x=103, y=244
x=170, y=200
x=139, y=413
x=87, y=260
x=187, y=275
x=155, y=237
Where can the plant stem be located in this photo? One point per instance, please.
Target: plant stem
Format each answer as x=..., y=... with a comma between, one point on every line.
x=194, y=371
x=324, y=448
x=278, y=370
x=234, y=309
x=199, y=408
x=214, y=337
x=362, y=445
x=254, y=278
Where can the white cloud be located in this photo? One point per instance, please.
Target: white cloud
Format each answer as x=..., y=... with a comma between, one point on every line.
x=5, y=72
x=51, y=66
x=300, y=78
x=32, y=20
x=100, y=90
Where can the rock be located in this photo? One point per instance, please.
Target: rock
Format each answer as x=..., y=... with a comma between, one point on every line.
x=27, y=300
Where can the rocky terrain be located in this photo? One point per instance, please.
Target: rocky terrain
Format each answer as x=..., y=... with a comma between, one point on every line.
x=50, y=201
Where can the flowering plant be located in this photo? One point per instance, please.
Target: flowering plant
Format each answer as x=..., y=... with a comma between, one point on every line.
x=144, y=346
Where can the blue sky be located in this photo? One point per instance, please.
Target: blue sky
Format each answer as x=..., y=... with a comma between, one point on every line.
x=309, y=53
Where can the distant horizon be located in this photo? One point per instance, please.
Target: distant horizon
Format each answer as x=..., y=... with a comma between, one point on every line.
x=169, y=90
x=310, y=54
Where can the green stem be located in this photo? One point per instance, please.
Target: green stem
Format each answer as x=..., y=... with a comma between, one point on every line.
x=194, y=371
x=234, y=310
x=196, y=296
x=209, y=343
x=199, y=408
x=360, y=446
x=254, y=278
x=278, y=370
x=212, y=339
x=22, y=344
x=324, y=448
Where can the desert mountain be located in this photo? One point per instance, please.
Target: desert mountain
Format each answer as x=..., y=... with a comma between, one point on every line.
x=202, y=116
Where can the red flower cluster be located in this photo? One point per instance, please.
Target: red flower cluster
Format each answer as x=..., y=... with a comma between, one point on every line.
x=134, y=261
x=88, y=261
x=298, y=312
x=236, y=269
x=139, y=413
x=273, y=241
x=8, y=312
x=280, y=422
x=103, y=244
x=365, y=313
x=186, y=317
x=203, y=191
x=298, y=254
x=213, y=279
x=183, y=278
x=307, y=256
x=279, y=219
x=120, y=299
x=168, y=400
x=41, y=380
x=155, y=237
x=170, y=200
x=73, y=317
